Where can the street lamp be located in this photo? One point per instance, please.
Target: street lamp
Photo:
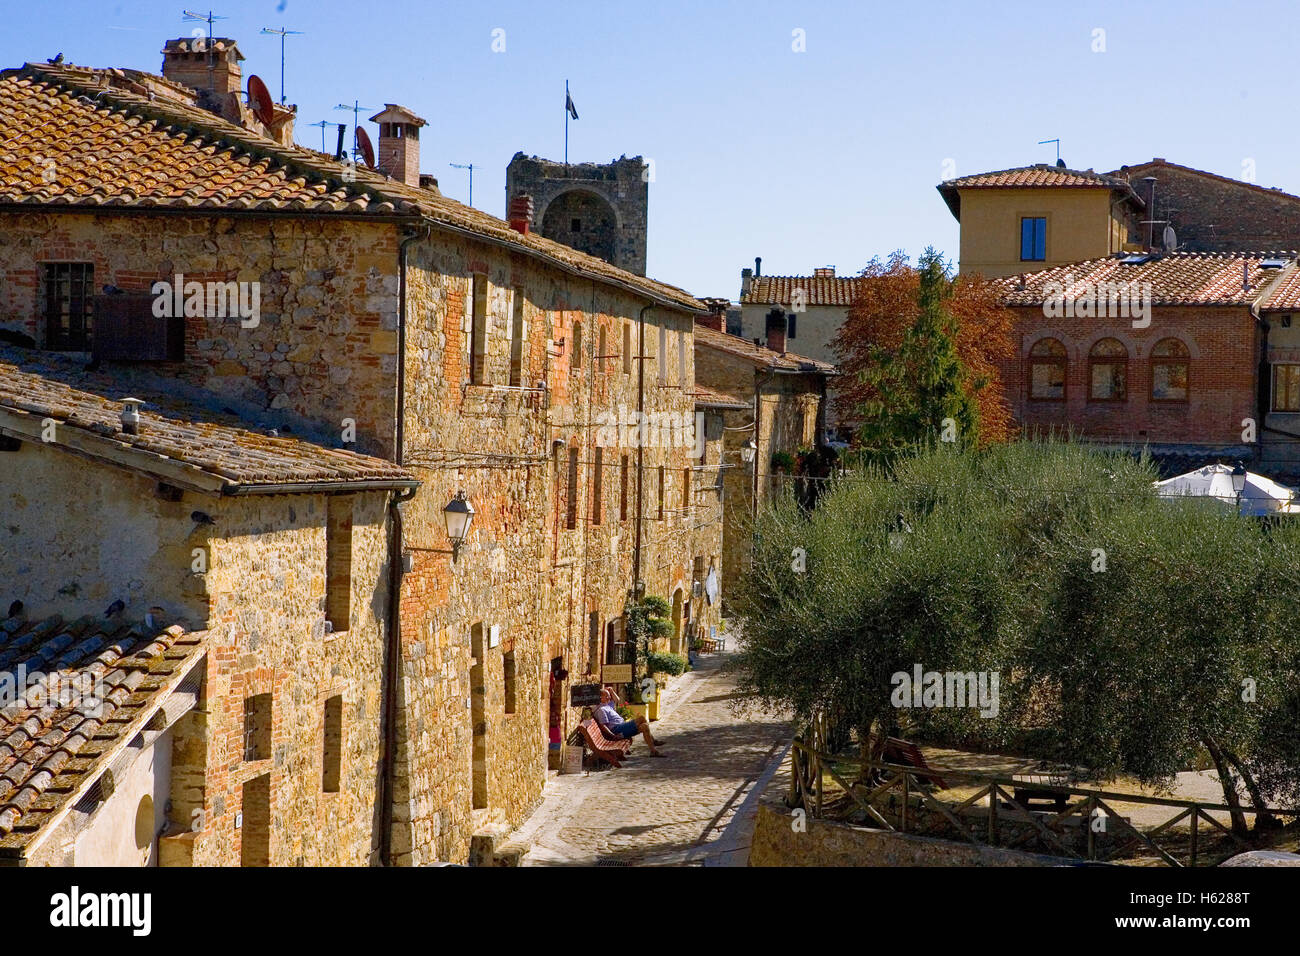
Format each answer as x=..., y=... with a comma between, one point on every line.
x=1239, y=482
x=748, y=451
x=459, y=515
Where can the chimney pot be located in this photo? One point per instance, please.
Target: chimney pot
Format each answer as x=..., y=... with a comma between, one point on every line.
x=758, y=266
x=520, y=214
x=131, y=415
x=399, y=143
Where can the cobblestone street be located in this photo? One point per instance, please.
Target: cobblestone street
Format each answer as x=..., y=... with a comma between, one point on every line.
x=693, y=808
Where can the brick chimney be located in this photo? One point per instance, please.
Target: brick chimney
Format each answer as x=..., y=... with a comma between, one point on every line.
x=776, y=330
x=824, y=272
x=717, y=317
x=399, y=143
x=520, y=213
x=205, y=65
x=746, y=280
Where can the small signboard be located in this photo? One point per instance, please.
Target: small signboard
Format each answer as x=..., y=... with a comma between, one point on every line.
x=616, y=673
x=584, y=695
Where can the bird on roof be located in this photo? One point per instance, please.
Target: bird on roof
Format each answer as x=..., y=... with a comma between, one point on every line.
x=114, y=609
x=16, y=609
x=56, y=61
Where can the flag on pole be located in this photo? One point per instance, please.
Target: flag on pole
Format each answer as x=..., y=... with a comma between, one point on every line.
x=568, y=104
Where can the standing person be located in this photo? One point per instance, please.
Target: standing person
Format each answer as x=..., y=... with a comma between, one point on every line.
x=614, y=726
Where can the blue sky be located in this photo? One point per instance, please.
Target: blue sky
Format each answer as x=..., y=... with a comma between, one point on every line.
x=828, y=156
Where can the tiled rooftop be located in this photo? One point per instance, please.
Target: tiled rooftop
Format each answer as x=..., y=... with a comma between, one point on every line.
x=1177, y=278
x=760, y=355
x=817, y=290
x=711, y=398
x=1033, y=177
x=183, y=444
x=113, y=147
x=48, y=750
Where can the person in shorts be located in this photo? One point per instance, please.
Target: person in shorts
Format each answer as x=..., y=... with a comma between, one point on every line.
x=615, y=726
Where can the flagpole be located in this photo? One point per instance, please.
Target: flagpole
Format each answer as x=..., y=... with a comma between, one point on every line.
x=566, y=126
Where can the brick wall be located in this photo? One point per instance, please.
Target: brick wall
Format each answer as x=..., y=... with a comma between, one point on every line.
x=1223, y=345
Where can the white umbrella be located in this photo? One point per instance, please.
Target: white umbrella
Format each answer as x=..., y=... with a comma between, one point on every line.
x=1260, y=496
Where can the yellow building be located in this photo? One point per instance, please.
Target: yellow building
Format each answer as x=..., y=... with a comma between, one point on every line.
x=1036, y=217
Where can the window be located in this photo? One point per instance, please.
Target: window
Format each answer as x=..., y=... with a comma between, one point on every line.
x=1286, y=387
x=571, y=515
x=622, y=489
x=332, y=757
x=255, y=833
x=593, y=642
x=661, y=492
x=662, y=357
x=1047, y=363
x=575, y=225
x=257, y=727
x=338, y=562
x=476, y=352
x=1108, y=371
x=575, y=362
x=517, y=335
x=67, y=292
x=1169, y=364
x=1033, y=239
x=681, y=359
x=597, y=485
x=508, y=675
x=791, y=325
x=627, y=348
x=686, y=489
x=599, y=358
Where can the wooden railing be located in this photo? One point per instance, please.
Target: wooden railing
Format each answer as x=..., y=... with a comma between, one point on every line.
x=1013, y=825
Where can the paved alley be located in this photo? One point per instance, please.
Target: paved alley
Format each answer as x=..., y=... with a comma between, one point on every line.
x=693, y=808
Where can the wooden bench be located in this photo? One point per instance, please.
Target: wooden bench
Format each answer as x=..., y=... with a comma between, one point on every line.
x=611, y=751
x=908, y=753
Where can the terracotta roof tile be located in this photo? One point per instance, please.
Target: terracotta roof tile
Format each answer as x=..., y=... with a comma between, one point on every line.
x=48, y=745
x=111, y=146
x=711, y=398
x=1033, y=177
x=817, y=290
x=1285, y=296
x=759, y=355
x=186, y=436
x=1178, y=278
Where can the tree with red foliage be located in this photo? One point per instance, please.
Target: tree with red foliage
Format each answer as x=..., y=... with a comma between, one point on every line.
x=911, y=333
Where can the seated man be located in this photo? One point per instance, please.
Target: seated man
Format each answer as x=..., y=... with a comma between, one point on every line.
x=615, y=726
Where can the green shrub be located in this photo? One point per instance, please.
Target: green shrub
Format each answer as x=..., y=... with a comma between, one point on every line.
x=661, y=662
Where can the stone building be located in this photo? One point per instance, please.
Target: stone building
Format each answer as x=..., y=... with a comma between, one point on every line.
x=598, y=208
x=243, y=575
x=800, y=312
x=549, y=389
x=1210, y=373
x=769, y=396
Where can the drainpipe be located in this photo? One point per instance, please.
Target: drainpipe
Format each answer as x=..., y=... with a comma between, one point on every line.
x=393, y=628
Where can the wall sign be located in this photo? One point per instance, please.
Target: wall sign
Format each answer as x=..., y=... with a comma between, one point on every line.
x=616, y=673
x=584, y=695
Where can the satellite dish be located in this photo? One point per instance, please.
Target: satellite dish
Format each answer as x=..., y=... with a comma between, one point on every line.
x=1170, y=239
x=367, y=150
x=259, y=98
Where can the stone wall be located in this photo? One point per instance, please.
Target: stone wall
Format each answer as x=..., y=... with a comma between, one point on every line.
x=325, y=348
x=267, y=635
x=823, y=843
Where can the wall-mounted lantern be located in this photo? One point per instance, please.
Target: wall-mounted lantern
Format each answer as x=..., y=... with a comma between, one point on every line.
x=459, y=514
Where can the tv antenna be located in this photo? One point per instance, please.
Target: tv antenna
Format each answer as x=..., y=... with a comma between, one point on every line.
x=200, y=18
x=322, y=124
x=282, y=33
x=1044, y=142
x=470, y=167
x=355, y=109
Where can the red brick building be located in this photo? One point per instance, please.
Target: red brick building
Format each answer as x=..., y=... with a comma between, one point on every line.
x=1187, y=354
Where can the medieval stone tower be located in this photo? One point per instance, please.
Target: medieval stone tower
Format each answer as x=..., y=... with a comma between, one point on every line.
x=598, y=208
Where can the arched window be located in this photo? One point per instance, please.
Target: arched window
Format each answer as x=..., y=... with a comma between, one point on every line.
x=1047, y=362
x=1169, y=363
x=1108, y=371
